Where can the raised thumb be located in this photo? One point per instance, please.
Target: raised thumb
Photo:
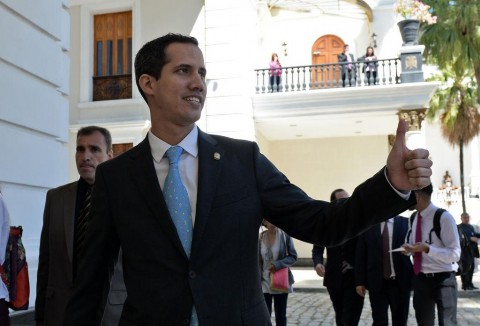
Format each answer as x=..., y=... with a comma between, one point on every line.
x=400, y=136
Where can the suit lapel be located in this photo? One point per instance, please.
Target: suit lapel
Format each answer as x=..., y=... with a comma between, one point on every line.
x=378, y=236
x=145, y=177
x=210, y=161
x=69, y=217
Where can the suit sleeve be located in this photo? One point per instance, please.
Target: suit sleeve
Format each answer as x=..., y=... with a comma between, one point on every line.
x=289, y=259
x=319, y=222
x=43, y=262
x=317, y=255
x=361, y=260
x=89, y=295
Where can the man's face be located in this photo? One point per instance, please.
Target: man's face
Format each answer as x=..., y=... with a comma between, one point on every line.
x=91, y=151
x=341, y=194
x=465, y=219
x=180, y=91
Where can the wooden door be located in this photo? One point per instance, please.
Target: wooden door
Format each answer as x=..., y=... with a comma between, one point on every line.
x=121, y=148
x=325, y=51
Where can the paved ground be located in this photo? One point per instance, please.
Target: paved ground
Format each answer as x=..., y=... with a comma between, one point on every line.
x=310, y=304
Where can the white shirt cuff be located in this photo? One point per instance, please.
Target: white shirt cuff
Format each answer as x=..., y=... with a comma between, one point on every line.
x=404, y=195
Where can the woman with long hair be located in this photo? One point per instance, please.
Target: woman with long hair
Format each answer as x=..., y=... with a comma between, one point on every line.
x=275, y=72
x=276, y=252
x=370, y=66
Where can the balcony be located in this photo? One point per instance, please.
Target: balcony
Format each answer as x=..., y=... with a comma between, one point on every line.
x=329, y=75
x=314, y=99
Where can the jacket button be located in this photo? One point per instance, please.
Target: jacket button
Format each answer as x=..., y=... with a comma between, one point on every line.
x=186, y=321
x=192, y=274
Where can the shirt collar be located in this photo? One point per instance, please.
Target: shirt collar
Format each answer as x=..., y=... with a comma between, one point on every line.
x=159, y=147
x=429, y=211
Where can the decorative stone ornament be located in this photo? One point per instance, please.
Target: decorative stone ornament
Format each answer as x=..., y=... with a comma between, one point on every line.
x=409, y=30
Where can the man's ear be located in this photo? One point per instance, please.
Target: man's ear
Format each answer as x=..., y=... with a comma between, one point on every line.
x=145, y=81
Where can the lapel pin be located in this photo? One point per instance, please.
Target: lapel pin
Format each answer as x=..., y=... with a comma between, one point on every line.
x=216, y=156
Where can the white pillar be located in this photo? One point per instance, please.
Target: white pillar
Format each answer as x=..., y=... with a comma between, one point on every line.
x=415, y=139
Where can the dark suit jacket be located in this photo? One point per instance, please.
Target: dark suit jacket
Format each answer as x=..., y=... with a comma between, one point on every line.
x=237, y=187
x=342, y=59
x=54, y=276
x=336, y=258
x=369, y=259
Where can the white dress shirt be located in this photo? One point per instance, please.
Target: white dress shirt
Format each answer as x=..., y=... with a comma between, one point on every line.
x=188, y=164
x=4, y=232
x=443, y=254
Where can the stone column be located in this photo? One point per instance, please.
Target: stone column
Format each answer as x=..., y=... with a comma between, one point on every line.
x=415, y=138
x=411, y=59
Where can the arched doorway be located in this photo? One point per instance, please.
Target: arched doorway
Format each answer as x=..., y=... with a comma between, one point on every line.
x=324, y=51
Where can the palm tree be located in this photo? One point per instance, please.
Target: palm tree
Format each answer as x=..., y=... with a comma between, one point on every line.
x=455, y=101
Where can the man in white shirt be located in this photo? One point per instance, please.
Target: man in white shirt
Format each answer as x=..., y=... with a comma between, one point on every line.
x=434, y=262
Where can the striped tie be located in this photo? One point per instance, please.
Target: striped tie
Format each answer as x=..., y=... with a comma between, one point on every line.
x=178, y=204
x=81, y=225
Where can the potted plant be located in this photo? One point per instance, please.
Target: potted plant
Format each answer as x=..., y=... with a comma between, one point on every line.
x=413, y=13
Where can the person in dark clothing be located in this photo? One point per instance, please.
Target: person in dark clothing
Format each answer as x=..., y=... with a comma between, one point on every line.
x=339, y=277
x=385, y=274
x=473, y=236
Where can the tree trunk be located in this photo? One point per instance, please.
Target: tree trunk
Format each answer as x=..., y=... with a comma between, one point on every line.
x=462, y=182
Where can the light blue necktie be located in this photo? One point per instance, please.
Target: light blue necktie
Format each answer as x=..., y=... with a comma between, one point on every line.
x=178, y=204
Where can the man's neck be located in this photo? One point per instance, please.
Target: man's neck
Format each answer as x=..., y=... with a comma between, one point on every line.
x=172, y=136
x=421, y=206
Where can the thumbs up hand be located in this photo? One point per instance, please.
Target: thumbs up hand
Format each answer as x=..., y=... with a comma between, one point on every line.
x=407, y=169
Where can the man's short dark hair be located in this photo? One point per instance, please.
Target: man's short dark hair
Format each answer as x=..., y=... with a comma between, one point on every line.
x=88, y=130
x=427, y=191
x=333, y=195
x=151, y=58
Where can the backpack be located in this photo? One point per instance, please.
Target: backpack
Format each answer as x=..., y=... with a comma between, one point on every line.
x=15, y=270
x=463, y=263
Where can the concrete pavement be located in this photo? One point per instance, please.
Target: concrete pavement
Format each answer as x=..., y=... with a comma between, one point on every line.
x=310, y=304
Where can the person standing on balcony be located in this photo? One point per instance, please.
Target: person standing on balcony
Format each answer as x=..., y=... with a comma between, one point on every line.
x=347, y=66
x=370, y=66
x=275, y=72
x=186, y=206
x=339, y=275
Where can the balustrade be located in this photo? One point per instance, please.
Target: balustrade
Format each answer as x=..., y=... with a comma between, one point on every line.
x=328, y=75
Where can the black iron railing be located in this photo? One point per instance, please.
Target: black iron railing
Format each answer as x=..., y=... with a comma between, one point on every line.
x=328, y=75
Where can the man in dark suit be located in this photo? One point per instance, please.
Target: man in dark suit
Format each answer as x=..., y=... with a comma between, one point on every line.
x=230, y=187
x=339, y=277
x=386, y=275
x=473, y=253
x=347, y=66
x=58, y=260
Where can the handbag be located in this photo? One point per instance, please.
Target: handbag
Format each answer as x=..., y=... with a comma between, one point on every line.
x=279, y=280
x=15, y=271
